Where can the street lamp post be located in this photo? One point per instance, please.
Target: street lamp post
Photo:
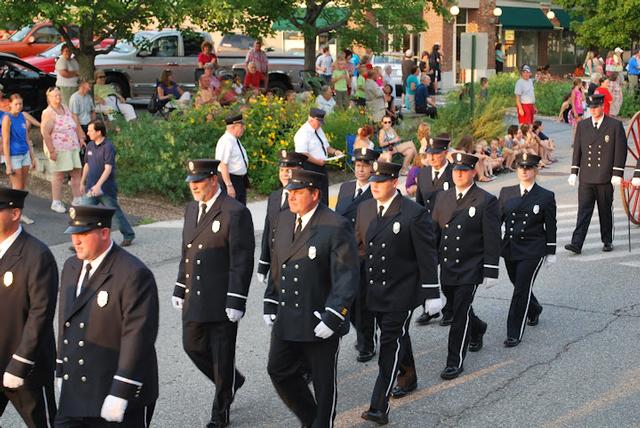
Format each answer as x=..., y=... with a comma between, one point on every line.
x=455, y=11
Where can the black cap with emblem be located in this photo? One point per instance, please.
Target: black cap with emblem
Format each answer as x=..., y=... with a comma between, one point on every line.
x=365, y=155
x=83, y=218
x=595, y=100
x=199, y=169
x=301, y=179
x=233, y=118
x=292, y=159
x=383, y=171
x=526, y=160
x=317, y=113
x=438, y=145
x=464, y=161
x=12, y=198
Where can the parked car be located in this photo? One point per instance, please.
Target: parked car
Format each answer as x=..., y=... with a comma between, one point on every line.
x=17, y=76
x=46, y=61
x=33, y=39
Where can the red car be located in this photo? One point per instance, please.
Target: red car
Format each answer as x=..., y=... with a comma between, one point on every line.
x=33, y=39
x=46, y=61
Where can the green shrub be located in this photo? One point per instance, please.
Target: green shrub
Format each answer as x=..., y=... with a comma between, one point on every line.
x=549, y=96
x=630, y=104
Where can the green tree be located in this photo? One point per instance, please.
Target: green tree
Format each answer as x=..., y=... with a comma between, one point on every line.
x=605, y=23
x=97, y=20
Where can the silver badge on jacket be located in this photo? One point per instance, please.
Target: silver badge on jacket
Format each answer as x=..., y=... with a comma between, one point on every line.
x=445, y=186
x=312, y=252
x=7, y=279
x=536, y=209
x=472, y=211
x=215, y=226
x=103, y=298
x=606, y=138
x=396, y=227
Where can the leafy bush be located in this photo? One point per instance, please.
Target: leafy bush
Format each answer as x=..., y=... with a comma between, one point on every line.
x=549, y=96
x=630, y=104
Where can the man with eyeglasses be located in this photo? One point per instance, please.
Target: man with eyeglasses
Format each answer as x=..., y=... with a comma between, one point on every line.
x=311, y=140
x=107, y=99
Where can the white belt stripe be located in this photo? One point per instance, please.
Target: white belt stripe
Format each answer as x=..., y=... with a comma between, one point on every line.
x=129, y=381
x=23, y=360
x=335, y=312
x=239, y=296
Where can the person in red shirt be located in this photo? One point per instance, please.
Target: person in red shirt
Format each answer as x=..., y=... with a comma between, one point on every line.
x=604, y=90
x=254, y=80
x=207, y=55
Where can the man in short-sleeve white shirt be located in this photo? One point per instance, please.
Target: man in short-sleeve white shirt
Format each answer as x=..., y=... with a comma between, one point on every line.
x=234, y=162
x=525, y=97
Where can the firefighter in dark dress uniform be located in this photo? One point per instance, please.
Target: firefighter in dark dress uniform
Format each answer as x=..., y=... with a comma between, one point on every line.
x=599, y=156
x=350, y=196
x=27, y=303
x=528, y=213
x=312, y=283
x=277, y=203
x=431, y=180
x=396, y=239
x=108, y=324
x=468, y=224
x=213, y=282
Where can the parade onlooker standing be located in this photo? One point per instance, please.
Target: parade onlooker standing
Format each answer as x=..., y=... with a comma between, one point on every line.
x=499, y=58
x=16, y=146
x=341, y=81
x=374, y=96
x=633, y=69
x=234, y=162
x=5, y=103
x=360, y=81
x=67, y=70
x=81, y=104
x=603, y=89
x=28, y=305
x=98, y=181
x=525, y=97
x=577, y=99
x=616, y=92
x=259, y=57
x=435, y=61
x=407, y=65
x=218, y=231
x=589, y=65
x=324, y=65
x=62, y=136
x=411, y=84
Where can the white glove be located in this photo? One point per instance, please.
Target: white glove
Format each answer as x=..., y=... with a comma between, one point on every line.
x=550, y=259
x=572, y=180
x=635, y=181
x=59, y=383
x=269, y=319
x=12, y=382
x=615, y=180
x=177, y=302
x=113, y=408
x=433, y=306
x=262, y=278
x=490, y=282
x=234, y=315
x=323, y=331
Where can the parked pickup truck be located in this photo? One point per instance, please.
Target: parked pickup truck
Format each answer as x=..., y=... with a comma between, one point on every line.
x=33, y=39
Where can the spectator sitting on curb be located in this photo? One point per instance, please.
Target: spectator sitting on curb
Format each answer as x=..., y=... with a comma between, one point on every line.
x=424, y=101
x=325, y=101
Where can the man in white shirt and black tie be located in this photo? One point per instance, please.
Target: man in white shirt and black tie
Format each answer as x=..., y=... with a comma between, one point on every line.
x=234, y=162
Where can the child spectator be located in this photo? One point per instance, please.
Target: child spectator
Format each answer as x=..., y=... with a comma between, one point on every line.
x=420, y=161
x=484, y=159
x=547, y=146
x=424, y=135
x=484, y=88
x=496, y=156
x=363, y=138
x=507, y=153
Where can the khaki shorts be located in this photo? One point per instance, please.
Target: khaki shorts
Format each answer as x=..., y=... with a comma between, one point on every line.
x=65, y=161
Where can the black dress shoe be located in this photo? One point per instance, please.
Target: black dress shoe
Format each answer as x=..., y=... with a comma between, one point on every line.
x=364, y=356
x=399, y=391
x=608, y=246
x=377, y=416
x=426, y=318
x=451, y=373
x=446, y=321
x=239, y=382
x=475, y=342
x=217, y=424
x=511, y=342
x=534, y=319
x=572, y=248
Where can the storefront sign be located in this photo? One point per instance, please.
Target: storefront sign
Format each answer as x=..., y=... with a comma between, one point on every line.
x=509, y=36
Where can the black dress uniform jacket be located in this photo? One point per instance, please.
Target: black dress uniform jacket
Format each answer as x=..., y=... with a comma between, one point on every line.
x=106, y=335
x=318, y=271
x=599, y=154
x=428, y=189
x=274, y=208
x=530, y=223
x=400, y=277
x=28, y=295
x=217, y=260
x=347, y=206
x=469, y=241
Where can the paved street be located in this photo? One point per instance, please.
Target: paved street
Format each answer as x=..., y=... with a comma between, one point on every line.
x=577, y=368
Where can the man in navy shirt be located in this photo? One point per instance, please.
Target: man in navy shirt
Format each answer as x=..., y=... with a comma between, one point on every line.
x=425, y=103
x=99, y=178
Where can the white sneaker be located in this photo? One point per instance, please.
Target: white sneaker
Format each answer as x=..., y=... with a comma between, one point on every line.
x=58, y=207
x=77, y=201
x=26, y=220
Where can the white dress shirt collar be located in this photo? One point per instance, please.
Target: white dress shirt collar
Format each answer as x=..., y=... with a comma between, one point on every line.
x=386, y=205
x=6, y=244
x=211, y=201
x=463, y=191
x=364, y=188
x=440, y=170
x=95, y=264
x=528, y=189
x=597, y=123
x=306, y=217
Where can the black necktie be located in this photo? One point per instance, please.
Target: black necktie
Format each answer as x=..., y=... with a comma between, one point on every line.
x=242, y=154
x=358, y=193
x=321, y=143
x=298, y=228
x=595, y=126
x=525, y=193
x=435, y=176
x=380, y=211
x=460, y=196
x=203, y=211
x=285, y=200
x=85, y=280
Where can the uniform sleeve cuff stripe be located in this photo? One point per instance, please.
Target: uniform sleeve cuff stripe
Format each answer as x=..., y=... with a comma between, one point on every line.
x=637, y=170
x=553, y=244
x=336, y=313
x=129, y=381
x=492, y=266
x=239, y=296
x=270, y=301
x=181, y=285
x=58, y=361
x=618, y=168
x=23, y=360
x=574, y=166
x=430, y=285
x=264, y=263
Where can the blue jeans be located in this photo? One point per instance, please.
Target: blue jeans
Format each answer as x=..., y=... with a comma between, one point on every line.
x=119, y=219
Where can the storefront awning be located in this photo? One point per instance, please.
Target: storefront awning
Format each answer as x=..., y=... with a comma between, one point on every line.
x=524, y=18
x=566, y=19
x=328, y=16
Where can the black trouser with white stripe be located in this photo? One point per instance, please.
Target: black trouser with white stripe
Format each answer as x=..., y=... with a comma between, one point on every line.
x=465, y=323
x=136, y=417
x=285, y=360
x=36, y=405
x=395, y=359
x=363, y=320
x=212, y=348
x=588, y=196
x=522, y=274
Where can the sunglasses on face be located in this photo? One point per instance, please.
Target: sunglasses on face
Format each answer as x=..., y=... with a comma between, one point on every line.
x=385, y=122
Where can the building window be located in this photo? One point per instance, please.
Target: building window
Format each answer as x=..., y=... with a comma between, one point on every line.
x=461, y=27
x=554, y=48
x=527, y=47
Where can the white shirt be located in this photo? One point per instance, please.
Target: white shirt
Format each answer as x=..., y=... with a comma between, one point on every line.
x=285, y=195
x=440, y=171
x=524, y=88
x=463, y=191
x=323, y=64
x=6, y=244
x=95, y=264
x=386, y=205
x=82, y=106
x=597, y=123
x=305, y=218
x=69, y=65
x=364, y=188
x=209, y=203
x=306, y=141
x=230, y=151
x=325, y=104
x=528, y=189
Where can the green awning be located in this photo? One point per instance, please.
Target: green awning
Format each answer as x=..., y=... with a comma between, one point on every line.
x=328, y=16
x=524, y=18
x=565, y=18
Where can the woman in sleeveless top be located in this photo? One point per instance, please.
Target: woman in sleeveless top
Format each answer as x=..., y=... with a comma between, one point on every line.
x=388, y=139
